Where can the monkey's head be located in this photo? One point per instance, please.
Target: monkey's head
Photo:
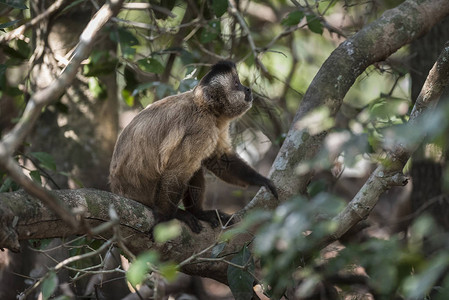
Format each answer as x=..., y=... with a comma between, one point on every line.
x=222, y=93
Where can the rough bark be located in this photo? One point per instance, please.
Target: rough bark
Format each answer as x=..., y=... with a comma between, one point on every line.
x=25, y=217
x=374, y=43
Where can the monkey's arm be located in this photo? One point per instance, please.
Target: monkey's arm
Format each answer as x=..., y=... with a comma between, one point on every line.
x=232, y=169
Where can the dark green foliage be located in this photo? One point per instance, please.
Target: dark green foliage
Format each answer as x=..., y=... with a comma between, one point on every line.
x=241, y=278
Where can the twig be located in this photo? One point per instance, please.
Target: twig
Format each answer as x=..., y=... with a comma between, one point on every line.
x=19, y=31
x=249, y=37
x=62, y=264
x=196, y=255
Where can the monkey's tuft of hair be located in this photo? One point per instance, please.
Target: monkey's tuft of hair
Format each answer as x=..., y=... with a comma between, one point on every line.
x=160, y=157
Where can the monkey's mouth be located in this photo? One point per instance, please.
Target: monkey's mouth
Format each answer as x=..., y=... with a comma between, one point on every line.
x=248, y=97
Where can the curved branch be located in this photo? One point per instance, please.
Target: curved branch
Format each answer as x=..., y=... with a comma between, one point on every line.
x=377, y=41
x=386, y=176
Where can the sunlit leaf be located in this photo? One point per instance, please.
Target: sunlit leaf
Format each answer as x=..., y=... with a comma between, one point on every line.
x=166, y=231
x=97, y=88
x=140, y=267
x=128, y=98
x=169, y=271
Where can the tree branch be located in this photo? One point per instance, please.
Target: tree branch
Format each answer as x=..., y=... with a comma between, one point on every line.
x=23, y=218
x=19, y=31
x=43, y=97
x=372, y=44
x=338, y=73
x=386, y=176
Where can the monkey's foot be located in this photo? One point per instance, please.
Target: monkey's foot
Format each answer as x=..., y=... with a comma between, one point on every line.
x=183, y=216
x=189, y=219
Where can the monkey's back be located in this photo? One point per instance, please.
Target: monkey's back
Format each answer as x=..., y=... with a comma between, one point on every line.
x=167, y=140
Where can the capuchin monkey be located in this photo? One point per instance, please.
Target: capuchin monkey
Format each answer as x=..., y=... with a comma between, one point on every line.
x=160, y=157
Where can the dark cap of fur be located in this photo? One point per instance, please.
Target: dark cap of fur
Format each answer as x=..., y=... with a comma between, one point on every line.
x=221, y=67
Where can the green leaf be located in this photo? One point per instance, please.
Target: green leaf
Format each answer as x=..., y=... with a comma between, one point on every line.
x=2, y=76
x=314, y=24
x=144, y=86
x=169, y=271
x=219, y=7
x=45, y=159
x=166, y=231
x=163, y=90
x=14, y=53
x=9, y=24
x=218, y=249
x=20, y=4
x=140, y=267
x=40, y=244
x=100, y=63
x=36, y=176
x=124, y=37
x=128, y=97
x=49, y=285
x=293, y=18
x=9, y=185
x=97, y=88
x=71, y=5
x=210, y=32
x=150, y=65
x=418, y=285
x=187, y=84
x=23, y=48
x=240, y=280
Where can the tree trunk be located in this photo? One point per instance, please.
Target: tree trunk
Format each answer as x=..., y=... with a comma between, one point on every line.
x=81, y=140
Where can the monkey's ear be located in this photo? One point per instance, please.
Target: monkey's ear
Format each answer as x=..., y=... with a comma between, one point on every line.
x=204, y=94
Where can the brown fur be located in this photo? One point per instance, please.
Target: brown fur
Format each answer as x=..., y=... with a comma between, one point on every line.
x=159, y=157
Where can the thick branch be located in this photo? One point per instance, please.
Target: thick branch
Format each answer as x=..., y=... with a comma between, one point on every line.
x=23, y=217
x=385, y=176
x=394, y=29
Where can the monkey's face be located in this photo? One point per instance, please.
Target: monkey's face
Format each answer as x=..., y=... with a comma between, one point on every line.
x=223, y=92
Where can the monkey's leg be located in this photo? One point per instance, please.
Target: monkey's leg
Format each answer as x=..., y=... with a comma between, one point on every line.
x=168, y=196
x=232, y=169
x=194, y=198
